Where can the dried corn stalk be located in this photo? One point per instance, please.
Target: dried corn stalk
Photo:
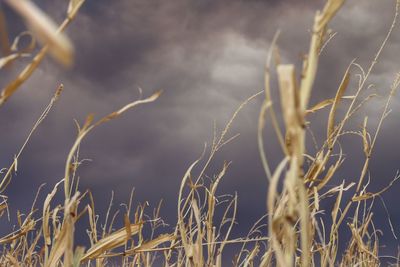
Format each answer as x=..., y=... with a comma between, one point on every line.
x=289, y=222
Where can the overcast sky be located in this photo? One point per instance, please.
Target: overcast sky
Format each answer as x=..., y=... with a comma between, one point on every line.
x=207, y=56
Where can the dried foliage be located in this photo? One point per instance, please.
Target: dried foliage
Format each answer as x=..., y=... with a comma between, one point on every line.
x=294, y=232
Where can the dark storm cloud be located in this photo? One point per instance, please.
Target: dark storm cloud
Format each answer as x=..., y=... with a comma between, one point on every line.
x=208, y=56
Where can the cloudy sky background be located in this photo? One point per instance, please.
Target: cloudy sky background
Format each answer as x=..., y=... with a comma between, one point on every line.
x=207, y=56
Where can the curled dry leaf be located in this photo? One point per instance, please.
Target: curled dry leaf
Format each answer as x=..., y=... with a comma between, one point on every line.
x=365, y=136
x=4, y=61
x=325, y=103
x=338, y=97
x=149, y=245
x=116, y=239
x=45, y=30
x=17, y=51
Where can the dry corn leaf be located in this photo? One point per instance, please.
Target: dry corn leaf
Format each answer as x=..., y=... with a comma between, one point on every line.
x=360, y=243
x=329, y=11
x=4, y=61
x=114, y=240
x=26, y=227
x=366, y=142
x=250, y=258
x=15, y=47
x=13, y=86
x=46, y=215
x=127, y=227
x=14, y=261
x=368, y=195
x=310, y=64
x=331, y=171
x=336, y=207
x=19, y=52
x=273, y=214
x=325, y=103
x=63, y=241
x=45, y=30
x=198, y=246
x=316, y=198
x=79, y=252
x=181, y=225
x=338, y=97
x=362, y=197
x=3, y=207
x=146, y=246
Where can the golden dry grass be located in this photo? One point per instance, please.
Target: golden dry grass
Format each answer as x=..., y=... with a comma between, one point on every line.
x=291, y=231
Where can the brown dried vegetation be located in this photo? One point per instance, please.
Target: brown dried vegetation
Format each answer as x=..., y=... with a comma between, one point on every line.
x=291, y=232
